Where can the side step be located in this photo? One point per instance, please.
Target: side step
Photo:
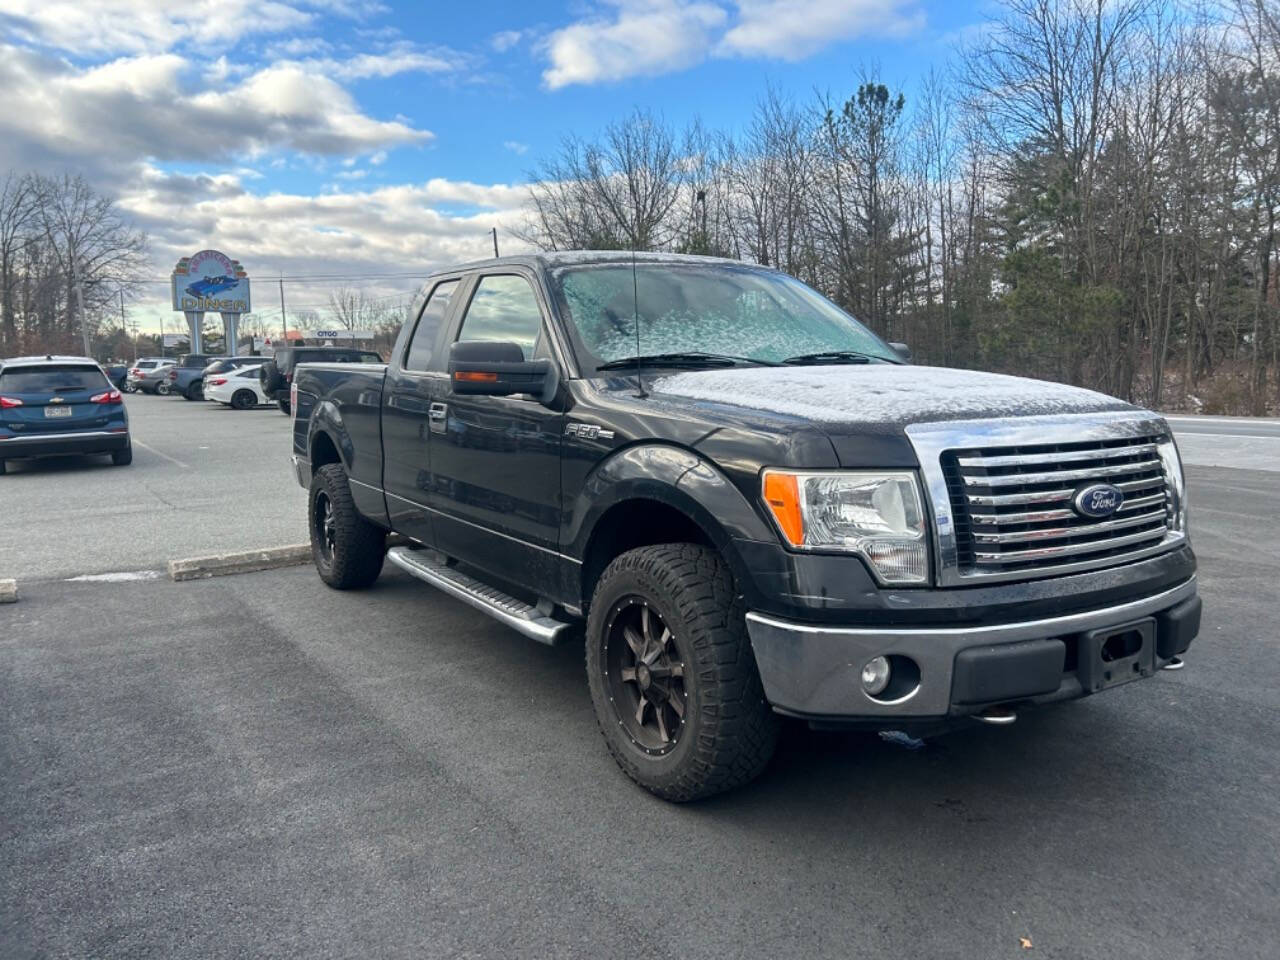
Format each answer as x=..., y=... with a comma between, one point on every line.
x=430, y=567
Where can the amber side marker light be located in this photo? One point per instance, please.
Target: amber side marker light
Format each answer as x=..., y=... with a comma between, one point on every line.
x=782, y=494
x=475, y=376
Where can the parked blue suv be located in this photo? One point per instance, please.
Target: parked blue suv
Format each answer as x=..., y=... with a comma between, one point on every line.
x=53, y=406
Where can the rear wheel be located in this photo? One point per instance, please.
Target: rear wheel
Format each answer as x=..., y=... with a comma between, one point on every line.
x=195, y=392
x=347, y=549
x=672, y=675
x=2, y=468
x=285, y=408
x=162, y=389
x=243, y=400
x=122, y=458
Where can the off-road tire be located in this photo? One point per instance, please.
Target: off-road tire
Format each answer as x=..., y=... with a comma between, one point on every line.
x=122, y=458
x=285, y=408
x=729, y=731
x=243, y=400
x=359, y=548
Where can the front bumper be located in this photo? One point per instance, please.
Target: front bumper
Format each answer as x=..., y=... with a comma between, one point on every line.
x=67, y=443
x=814, y=671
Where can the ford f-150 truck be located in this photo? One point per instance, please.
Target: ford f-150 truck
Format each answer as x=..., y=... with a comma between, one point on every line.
x=749, y=504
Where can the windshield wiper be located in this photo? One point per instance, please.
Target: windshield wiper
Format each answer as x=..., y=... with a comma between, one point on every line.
x=692, y=359
x=831, y=356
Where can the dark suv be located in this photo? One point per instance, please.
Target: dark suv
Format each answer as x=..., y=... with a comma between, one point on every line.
x=54, y=406
x=277, y=372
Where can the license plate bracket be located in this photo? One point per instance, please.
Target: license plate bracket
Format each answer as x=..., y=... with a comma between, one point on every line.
x=57, y=410
x=1110, y=656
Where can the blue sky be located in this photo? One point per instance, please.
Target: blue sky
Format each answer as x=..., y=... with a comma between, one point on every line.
x=308, y=136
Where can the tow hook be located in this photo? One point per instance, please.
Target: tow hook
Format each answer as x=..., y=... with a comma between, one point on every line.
x=998, y=716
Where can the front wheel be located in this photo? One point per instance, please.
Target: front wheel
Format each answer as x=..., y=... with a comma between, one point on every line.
x=163, y=389
x=347, y=549
x=243, y=400
x=673, y=679
x=194, y=392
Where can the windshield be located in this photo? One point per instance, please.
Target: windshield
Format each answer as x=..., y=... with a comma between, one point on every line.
x=742, y=312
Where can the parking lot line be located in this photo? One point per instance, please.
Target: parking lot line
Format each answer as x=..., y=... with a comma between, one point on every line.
x=163, y=456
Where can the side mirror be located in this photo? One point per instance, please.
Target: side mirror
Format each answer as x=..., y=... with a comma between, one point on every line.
x=902, y=350
x=497, y=368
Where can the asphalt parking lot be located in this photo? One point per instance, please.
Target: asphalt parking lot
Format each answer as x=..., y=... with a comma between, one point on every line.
x=259, y=766
x=204, y=478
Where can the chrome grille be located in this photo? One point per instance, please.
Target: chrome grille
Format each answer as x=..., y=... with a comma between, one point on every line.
x=1012, y=510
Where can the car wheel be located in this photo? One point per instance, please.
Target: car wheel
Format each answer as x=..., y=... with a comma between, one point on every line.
x=2, y=468
x=122, y=458
x=673, y=679
x=194, y=392
x=162, y=389
x=243, y=400
x=347, y=549
x=285, y=408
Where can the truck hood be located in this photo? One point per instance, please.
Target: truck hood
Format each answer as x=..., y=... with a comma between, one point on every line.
x=877, y=397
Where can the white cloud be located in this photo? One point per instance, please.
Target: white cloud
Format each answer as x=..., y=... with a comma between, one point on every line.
x=400, y=58
x=636, y=38
x=138, y=26
x=795, y=29
x=142, y=106
x=504, y=40
x=516, y=147
x=619, y=39
x=412, y=228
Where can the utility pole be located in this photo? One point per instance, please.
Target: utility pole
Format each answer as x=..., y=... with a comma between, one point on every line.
x=75, y=279
x=495, y=241
x=284, y=319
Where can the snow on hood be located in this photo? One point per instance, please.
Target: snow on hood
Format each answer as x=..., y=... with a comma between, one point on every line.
x=882, y=393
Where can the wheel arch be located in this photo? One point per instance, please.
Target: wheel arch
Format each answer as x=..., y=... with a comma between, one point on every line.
x=659, y=493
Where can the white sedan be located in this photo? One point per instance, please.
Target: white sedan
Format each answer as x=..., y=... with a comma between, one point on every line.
x=240, y=388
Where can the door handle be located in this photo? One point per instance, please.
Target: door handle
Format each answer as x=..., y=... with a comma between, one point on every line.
x=438, y=411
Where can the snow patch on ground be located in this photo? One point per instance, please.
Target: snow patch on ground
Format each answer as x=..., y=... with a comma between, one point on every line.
x=122, y=577
x=877, y=393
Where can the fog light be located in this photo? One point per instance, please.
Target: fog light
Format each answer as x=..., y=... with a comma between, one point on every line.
x=875, y=675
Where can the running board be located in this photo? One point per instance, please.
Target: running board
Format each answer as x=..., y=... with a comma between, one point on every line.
x=429, y=567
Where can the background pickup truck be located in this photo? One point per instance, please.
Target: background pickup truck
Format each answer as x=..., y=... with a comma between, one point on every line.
x=749, y=504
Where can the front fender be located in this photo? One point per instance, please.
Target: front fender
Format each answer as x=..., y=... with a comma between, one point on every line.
x=679, y=478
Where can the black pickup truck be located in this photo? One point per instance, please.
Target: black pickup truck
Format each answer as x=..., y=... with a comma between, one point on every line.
x=755, y=506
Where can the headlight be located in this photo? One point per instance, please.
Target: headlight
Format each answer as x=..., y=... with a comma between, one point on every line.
x=1171, y=461
x=877, y=514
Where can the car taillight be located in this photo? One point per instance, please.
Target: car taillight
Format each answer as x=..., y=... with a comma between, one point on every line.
x=218, y=381
x=173, y=374
x=8, y=403
x=293, y=397
x=111, y=396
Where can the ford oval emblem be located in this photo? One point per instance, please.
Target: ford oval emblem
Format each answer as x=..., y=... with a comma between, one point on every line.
x=1098, y=500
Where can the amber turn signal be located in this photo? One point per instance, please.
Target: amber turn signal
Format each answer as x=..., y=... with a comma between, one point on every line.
x=782, y=494
x=475, y=376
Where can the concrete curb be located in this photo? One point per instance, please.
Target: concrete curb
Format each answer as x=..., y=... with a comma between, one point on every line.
x=8, y=591
x=246, y=561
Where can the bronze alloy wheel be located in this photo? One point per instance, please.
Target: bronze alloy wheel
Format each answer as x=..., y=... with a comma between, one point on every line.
x=644, y=676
